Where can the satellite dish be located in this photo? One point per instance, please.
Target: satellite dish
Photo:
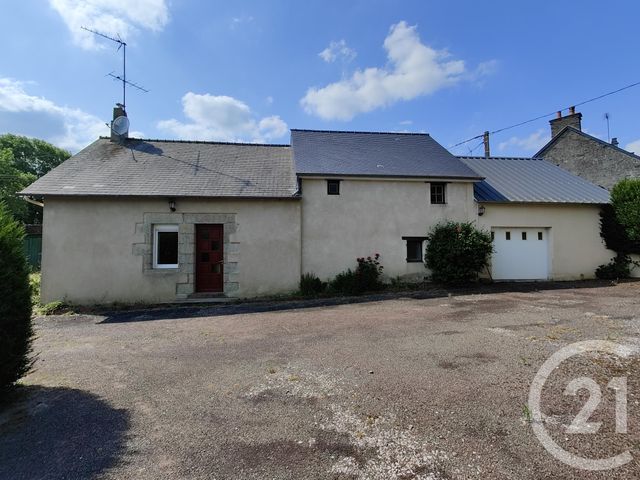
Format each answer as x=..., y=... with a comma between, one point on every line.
x=120, y=125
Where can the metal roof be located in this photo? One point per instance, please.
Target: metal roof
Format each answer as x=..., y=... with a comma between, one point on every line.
x=510, y=179
x=172, y=168
x=322, y=152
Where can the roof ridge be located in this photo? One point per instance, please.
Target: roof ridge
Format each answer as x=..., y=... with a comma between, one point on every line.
x=206, y=142
x=358, y=131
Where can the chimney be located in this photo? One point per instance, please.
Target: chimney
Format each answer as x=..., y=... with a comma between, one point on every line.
x=614, y=141
x=118, y=130
x=572, y=120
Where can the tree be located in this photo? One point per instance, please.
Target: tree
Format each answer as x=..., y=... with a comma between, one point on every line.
x=22, y=160
x=625, y=199
x=13, y=180
x=16, y=331
x=32, y=155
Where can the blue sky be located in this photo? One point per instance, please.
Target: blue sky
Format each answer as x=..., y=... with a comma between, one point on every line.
x=249, y=71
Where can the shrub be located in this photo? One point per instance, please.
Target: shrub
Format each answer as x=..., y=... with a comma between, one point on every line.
x=311, y=285
x=614, y=234
x=457, y=252
x=365, y=278
x=16, y=332
x=619, y=267
x=625, y=198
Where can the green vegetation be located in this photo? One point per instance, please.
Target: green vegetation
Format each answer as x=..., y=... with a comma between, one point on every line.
x=16, y=331
x=311, y=285
x=625, y=199
x=365, y=278
x=22, y=160
x=457, y=252
x=619, y=267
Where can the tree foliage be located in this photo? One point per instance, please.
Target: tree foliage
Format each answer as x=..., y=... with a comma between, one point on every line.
x=614, y=234
x=625, y=199
x=22, y=160
x=16, y=332
x=457, y=252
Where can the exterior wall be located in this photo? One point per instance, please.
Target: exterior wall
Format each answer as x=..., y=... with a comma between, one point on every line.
x=576, y=246
x=99, y=250
x=372, y=216
x=591, y=160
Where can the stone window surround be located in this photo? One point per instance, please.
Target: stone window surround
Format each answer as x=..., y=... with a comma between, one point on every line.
x=185, y=273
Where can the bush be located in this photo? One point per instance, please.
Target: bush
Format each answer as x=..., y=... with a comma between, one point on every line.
x=614, y=234
x=457, y=252
x=625, y=198
x=16, y=332
x=311, y=285
x=365, y=278
x=619, y=267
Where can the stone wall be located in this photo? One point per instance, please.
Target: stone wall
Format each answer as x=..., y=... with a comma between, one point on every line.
x=599, y=163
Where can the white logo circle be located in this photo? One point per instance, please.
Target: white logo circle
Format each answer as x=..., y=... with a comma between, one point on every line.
x=537, y=416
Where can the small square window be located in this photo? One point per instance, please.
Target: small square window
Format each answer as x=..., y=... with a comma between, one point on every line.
x=333, y=187
x=165, y=246
x=540, y=236
x=507, y=235
x=524, y=235
x=414, y=249
x=438, y=193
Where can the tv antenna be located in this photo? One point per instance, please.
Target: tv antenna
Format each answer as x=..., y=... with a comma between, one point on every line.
x=606, y=117
x=123, y=78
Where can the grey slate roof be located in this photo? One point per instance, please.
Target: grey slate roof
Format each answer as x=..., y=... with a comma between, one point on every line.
x=374, y=154
x=509, y=179
x=172, y=168
x=540, y=153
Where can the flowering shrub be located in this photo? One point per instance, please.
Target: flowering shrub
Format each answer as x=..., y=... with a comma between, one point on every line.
x=365, y=278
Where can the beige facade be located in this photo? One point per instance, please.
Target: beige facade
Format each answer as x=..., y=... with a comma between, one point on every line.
x=98, y=250
x=576, y=247
x=372, y=216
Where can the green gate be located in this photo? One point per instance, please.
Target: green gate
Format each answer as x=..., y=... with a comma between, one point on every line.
x=33, y=250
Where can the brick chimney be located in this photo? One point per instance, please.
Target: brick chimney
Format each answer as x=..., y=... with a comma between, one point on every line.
x=572, y=120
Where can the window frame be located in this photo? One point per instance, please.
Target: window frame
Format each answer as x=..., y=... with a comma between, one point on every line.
x=172, y=228
x=433, y=185
x=414, y=239
x=333, y=181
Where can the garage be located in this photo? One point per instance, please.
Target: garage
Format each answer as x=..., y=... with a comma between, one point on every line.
x=520, y=253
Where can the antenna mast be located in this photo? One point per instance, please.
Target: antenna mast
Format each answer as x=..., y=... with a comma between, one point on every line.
x=123, y=78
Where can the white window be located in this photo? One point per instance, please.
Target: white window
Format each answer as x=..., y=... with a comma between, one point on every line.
x=165, y=246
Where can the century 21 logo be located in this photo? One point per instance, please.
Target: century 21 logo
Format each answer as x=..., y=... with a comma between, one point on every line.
x=581, y=423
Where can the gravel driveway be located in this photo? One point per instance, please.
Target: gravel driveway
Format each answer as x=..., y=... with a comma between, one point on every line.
x=396, y=389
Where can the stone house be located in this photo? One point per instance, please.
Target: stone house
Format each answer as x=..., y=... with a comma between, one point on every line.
x=133, y=220
x=584, y=155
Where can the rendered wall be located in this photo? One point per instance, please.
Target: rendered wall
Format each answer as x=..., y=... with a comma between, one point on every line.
x=98, y=250
x=372, y=217
x=576, y=246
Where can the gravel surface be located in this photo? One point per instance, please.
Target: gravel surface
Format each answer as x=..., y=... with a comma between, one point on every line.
x=400, y=388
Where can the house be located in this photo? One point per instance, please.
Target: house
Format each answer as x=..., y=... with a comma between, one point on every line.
x=133, y=220
x=584, y=155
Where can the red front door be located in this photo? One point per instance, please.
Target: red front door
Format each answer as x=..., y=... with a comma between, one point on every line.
x=209, y=258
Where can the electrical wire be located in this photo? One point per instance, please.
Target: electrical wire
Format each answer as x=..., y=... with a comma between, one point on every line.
x=539, y=117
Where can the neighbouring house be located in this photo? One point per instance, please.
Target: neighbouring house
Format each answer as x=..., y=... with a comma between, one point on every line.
x=133, y=220
x=33, y=244
x=584, y=155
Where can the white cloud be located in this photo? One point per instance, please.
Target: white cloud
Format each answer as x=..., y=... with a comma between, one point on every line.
x=269, y=100
x=112, y=17
x=413, y=69
x=222, y=118
x=633, y=147
x=338, y=50
x=406, y=122
x=237, y=21
x=33, y=116
x=530, y=144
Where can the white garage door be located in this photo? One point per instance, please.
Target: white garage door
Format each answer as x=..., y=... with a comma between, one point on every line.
x=520, y=253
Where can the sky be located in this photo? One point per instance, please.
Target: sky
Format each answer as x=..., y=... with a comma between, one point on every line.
x=251, y=70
